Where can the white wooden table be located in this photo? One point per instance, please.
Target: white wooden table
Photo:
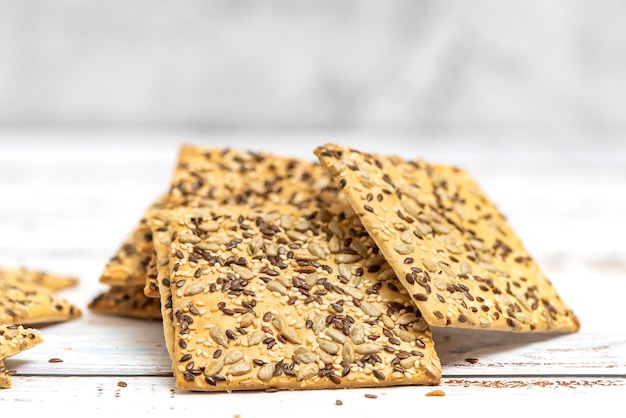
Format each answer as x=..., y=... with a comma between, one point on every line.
x=67, y=199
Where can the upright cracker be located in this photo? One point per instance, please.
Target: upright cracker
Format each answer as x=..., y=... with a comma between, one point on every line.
x=151, y=287
x=13, y=340
x=24, y=302
x=290, y=297
x=46, y=279
x=129, y=264
x=159, y=222
x=454, y=252
x=129, y=301
x=206, y=177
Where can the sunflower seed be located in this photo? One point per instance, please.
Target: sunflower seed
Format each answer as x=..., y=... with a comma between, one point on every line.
x=368, y=348
x=239, y=369
x=266, y=372
x=328, y=347
x=219, y=336
x=308, y=371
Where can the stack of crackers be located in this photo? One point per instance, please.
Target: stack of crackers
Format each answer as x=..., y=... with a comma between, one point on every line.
x=271, y=272
x=28, y=298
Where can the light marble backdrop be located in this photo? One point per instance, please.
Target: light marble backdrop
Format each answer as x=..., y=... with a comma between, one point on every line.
x=484, y=65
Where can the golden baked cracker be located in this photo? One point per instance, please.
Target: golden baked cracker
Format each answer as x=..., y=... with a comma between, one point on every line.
x=46, y=279
x=13, y=340
x=151, y=287
x=453, y=251
x=159, y=222
x=128, y=301
x=129, y=264
x=289, y=297
x=5, y=377
x=206, y=177
x=24, y=303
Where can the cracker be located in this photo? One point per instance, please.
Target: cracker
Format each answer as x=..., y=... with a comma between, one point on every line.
x=25, y=302
x=46, y=279
x=128, y=301
x=207, y=177
x=159, y=221
x=129, y=264
x=451, y=248
x=13, y=340
x=151, y=287
x=290, y=297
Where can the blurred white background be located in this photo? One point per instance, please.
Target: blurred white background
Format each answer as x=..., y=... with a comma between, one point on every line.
x=545, y=68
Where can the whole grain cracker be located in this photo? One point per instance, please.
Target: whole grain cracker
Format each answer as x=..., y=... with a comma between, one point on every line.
x=207, y=177
x=129, y=301
x=210, y=176
x=26, y=303
x=159, y=221
x=129, y=264
x=151, y=287
x=50, y=280
x=451, y=248
x=13, y=340
x=284, y=297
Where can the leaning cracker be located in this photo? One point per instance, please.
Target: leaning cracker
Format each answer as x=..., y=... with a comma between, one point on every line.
x=290, y=298
x=46, y=279
x=128, y=301
x=129, y=264
x=159, y=222
x=23, y=302
x=13, y=340
x=151, y=287
x=207, y=177
x=461, y=262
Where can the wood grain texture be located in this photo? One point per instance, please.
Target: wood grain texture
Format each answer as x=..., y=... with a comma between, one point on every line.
x=68, y=199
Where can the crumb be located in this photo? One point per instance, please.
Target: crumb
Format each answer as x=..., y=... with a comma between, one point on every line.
x=437, y=392
x=55, y=360
x=472, y=360
x=370, y=396
x=122, y=384
x=339, y=402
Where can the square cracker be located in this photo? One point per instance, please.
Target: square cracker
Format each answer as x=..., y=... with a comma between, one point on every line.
x=13, y=340
x=129, y=264
x=451, y=248
x=290, y=297
x=46, y=279
x=129, y=301
x=26, y=302
x=207, y=177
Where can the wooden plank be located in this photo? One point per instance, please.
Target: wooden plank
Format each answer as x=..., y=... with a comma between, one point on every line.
x=512, y=396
